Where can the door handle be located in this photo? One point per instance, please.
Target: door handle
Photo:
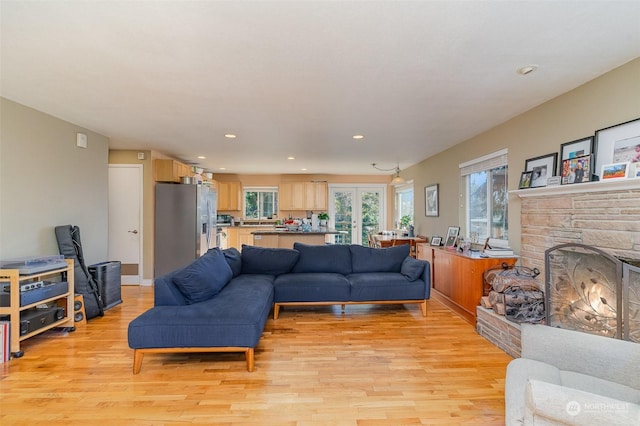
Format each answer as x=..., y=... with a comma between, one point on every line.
x=135, y=231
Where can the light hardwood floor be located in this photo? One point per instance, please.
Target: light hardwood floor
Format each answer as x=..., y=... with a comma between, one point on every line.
x=372, y=365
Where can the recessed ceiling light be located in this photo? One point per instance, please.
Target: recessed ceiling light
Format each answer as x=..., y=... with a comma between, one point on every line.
x=527, y=70
x=230, y=136
x=304, y=170
x=222, y=168
x=358, y=136
x=291, y=158
x=202, y=157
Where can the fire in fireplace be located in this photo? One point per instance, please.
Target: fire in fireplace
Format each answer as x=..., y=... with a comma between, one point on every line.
x=591, y=291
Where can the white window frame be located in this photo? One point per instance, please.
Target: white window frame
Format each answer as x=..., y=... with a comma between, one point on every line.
x=400, y=189
x=481, y=164
x=259, y=189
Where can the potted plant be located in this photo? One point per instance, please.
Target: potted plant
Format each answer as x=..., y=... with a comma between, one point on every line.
x=323, y=217
x=405, y=221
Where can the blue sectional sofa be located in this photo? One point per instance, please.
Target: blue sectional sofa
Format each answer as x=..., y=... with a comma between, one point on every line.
x=221, y=301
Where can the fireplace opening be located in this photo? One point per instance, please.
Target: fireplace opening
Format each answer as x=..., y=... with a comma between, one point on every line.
x=588, y=290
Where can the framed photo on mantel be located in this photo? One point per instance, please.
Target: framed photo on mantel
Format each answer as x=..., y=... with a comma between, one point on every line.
x=542, y=168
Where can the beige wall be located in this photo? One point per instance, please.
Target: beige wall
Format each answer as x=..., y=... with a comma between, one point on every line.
x=46, y=181
x=608, y=100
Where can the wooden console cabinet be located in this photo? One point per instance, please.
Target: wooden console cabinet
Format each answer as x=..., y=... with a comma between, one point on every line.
x=457, y=278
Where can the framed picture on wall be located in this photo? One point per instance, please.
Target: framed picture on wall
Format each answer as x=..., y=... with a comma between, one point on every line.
x=431, y=200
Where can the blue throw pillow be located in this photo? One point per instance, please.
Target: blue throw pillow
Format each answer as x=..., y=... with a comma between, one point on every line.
x=270, y=261
x=412, y=268
x=334, y=258
x=367, y=259
x=234, y=259
x=204, y=277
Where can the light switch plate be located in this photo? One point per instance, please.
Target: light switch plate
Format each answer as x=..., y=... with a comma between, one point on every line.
x=81, y=140
x=141, y=156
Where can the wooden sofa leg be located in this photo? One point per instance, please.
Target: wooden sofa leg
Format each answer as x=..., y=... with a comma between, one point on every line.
x=138, y=356
x=250, y=359
x=276, y=311
x=423, y=306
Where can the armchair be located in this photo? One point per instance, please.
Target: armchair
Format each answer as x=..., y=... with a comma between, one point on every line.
x=573, y=378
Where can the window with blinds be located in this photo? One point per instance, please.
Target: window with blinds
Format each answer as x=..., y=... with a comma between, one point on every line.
x=487, y=200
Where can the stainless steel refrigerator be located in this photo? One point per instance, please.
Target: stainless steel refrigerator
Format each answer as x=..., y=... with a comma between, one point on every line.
x=185, y=225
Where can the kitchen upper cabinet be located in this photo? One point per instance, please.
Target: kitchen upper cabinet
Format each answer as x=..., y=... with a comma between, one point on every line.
x=170, y=170
x=291, y=196
x=303, y=196
x=316, y=195
x=229, y=196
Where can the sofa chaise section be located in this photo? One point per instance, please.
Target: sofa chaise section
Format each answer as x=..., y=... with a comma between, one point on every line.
x=189, y=315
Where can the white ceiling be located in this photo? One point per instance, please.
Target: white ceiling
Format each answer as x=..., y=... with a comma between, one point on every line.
x=301, y=78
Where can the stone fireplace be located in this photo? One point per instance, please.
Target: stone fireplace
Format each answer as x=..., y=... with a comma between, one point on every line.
x=591, y=291
x=603, y=215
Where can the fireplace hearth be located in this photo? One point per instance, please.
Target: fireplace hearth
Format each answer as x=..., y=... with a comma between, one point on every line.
x=588, y=290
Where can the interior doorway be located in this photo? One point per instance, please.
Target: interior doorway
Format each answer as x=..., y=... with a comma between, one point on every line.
x=125, y=220
x=356, y=211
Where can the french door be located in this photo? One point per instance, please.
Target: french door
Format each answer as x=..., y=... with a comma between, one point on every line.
x=356, y=211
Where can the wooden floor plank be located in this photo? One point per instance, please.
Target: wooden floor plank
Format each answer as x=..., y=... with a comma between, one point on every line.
x=368, y=366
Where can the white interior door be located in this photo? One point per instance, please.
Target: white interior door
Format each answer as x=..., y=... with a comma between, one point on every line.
x=356, y=211
x=125, y=220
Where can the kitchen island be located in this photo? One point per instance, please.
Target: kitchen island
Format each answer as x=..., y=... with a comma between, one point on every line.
x=280, y=238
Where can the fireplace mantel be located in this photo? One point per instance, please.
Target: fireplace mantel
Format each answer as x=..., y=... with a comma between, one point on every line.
x=576, y=188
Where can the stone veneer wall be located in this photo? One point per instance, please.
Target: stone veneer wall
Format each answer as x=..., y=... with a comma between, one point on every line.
x=606, y=219
x=499, y=330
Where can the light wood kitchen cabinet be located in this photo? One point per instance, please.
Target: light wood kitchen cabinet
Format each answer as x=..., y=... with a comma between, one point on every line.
x=170, y=170
x=316, y=195
x=229, y=196
x=291, y=196
x=239, y=235
x=457, y=278
x=303, y=196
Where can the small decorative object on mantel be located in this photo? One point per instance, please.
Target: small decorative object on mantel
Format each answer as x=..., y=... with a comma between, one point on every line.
x=541, y=167
x=554, y=181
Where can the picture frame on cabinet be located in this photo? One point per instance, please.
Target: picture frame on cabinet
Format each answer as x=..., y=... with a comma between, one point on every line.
x=541, y=167
x=525, y=180
x=431, y=200
x=574, y=149
x=617, y=144
x=436, y=241
x=452, y=236
x=615, y=171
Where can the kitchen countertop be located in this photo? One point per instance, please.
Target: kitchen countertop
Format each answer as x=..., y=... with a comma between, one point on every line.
x=286, y=232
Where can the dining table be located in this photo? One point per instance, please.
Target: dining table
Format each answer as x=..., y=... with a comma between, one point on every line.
x=386, y=240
